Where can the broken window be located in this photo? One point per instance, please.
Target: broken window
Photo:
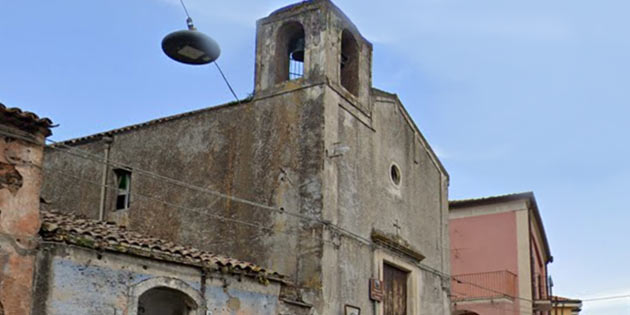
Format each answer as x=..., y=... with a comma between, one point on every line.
x=166, y=301
x=123, y=192
x=349, y=65
x=290, y=52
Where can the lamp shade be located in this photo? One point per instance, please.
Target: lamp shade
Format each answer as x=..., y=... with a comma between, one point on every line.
x=191, y=47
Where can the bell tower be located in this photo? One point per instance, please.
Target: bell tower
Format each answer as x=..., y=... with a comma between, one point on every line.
x=312, y=43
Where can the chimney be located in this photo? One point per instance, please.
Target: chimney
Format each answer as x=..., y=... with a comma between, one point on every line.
x=22, y=138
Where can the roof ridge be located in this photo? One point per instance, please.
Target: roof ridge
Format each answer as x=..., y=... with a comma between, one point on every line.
x=151, y=122
x=525, y=194
x=29, y=118
x=75, y=230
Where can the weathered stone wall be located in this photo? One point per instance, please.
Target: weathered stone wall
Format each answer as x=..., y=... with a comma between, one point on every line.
x=361, y=197
x=269, y=151
x=73, y=280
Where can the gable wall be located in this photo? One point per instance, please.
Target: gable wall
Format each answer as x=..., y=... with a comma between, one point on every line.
x=360, y=197
x=268, y=151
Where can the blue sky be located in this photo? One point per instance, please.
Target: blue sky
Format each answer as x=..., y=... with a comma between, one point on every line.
x=513, y=95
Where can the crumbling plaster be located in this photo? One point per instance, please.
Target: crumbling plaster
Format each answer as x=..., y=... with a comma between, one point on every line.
x=21, y=155
x=73, y=280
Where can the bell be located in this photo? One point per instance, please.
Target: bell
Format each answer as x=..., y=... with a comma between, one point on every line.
x=344, y=61
x=191, y=46
x=296, y=49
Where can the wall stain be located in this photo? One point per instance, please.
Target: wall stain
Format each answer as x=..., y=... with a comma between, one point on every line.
x=10, y=178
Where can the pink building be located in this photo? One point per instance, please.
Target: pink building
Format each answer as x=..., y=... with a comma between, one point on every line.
x=499, y=256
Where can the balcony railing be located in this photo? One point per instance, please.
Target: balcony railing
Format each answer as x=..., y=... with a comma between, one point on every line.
x=485, y=285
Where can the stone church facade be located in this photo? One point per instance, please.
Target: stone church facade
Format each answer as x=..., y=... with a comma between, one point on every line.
x=318, y=176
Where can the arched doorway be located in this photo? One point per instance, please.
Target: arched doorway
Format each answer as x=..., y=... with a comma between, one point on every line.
x=166, y=301
x=165, y=296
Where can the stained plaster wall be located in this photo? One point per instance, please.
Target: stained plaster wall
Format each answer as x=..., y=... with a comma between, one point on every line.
x=21, y=155
x=73, y=280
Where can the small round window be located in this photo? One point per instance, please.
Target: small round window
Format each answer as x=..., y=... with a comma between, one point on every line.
x=395, y=175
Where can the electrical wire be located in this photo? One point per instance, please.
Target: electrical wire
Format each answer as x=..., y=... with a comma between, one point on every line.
x=226, y=81
x=255, y=226
x=335, y=229
x=189, y=21
x=170, y=204
x=98, y=159
x=606, y=298
x=185, y=9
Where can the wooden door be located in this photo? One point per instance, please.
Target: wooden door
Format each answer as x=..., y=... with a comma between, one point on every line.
x=395, y=286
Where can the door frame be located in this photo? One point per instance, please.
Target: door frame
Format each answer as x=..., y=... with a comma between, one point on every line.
x=382, y=257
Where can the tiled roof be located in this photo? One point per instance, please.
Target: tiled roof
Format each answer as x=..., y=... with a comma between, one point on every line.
x=157, y=121
x=490, y=199
x=70, y=229
x=25, y=119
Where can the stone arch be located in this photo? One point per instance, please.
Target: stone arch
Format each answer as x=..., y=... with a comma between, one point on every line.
x=289, y=35
x=349, y=63
x=170, y=287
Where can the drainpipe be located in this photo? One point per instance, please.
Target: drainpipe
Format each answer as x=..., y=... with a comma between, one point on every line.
x=108, y=145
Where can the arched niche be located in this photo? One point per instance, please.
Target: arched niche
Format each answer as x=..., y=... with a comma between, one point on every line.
x=165, y=296
x=166, y=301
x=289, y=63
x=349, y=65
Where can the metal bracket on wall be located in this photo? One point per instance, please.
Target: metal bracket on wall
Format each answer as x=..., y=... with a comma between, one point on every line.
x=337, y=150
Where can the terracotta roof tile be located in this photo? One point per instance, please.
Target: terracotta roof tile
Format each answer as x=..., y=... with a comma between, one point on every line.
x=26, y=119
x=70, y=229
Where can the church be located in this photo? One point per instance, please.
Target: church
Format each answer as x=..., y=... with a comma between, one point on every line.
x=319, y=192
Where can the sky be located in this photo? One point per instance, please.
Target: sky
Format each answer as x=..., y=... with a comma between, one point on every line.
x=513, y=96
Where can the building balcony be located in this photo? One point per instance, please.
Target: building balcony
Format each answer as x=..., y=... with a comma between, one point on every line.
x=484, y=286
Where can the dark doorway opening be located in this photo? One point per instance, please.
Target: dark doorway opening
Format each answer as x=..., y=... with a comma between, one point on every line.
x=166, y=301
